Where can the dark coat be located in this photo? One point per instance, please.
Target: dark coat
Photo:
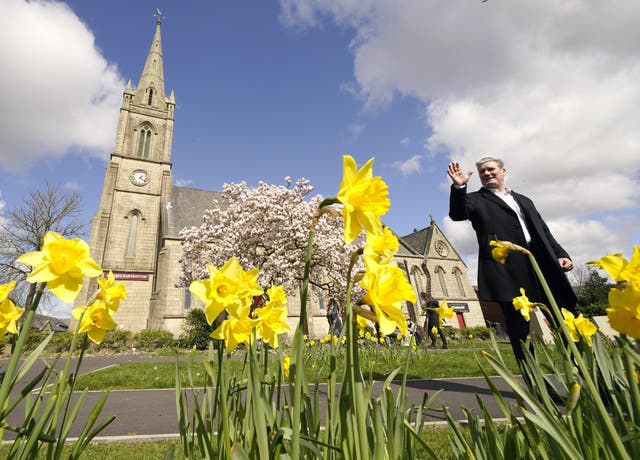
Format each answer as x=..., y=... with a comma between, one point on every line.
x=493, y=219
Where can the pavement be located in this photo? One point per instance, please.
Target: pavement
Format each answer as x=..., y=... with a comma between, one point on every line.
x=151, y=414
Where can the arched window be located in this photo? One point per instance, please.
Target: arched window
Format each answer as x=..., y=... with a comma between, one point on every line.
x=458, y=276
x=441, y=279
x=134, y=221
x=427, y=274
x=418, y=282
x=150, y=101
x=144, y=143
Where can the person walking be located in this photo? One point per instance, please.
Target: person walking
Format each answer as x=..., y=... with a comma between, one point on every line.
x=432, y=323
x=498, y=213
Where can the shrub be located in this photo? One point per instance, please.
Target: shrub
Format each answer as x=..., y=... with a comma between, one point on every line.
x=116, y=340
x=196, y=331
x=154, y=338
x=477, y=332
x=60, y=342
x=33, y=339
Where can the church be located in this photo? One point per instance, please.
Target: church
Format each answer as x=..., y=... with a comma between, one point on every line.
x=134, y=232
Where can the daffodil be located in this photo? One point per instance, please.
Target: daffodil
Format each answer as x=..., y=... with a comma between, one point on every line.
x=110, y=292
x=387, y=287
x=9, y=313
x=61, y=264
x=273, y=317
x=286, y=365
x=624, y=311
x=96, y=320
x=621, y=269
x=364, y=199
x=500, y=252
x=362, y=323
x=229, y=288
x=381, y=248
x=523, y=305
x=235, y=331
x=579, y=327
x=444, y=311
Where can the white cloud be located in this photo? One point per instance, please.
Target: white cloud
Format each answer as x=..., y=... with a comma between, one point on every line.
x=72, y=186
x=404, y=141
x=411, y=166
x=74, y=93
x=551, y=87
x=183, y=182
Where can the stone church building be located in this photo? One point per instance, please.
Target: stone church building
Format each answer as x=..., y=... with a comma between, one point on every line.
x=135, y=230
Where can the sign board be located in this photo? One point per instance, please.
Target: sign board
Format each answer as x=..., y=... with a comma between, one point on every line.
x=128, y=276
x=459, y=307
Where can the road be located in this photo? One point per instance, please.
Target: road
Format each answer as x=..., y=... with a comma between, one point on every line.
x=151, y=414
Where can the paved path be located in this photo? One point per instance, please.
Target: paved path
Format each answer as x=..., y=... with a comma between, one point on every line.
x=152, y=413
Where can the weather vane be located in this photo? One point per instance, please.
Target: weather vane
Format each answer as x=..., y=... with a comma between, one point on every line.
x=159, y=15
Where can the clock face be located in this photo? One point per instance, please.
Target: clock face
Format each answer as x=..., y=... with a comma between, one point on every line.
x=139, y=177
x=441, y=248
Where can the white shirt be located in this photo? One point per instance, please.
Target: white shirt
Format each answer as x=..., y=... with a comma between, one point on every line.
x=513, y=204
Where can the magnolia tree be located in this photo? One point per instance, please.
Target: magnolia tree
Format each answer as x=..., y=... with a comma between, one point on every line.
x=267, y=227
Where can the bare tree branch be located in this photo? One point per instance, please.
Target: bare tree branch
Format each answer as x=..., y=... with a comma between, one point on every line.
x=23, y=227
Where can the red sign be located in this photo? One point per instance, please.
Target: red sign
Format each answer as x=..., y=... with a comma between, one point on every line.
x=125, y=276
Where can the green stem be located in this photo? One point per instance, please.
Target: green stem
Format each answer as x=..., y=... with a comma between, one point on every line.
x=7, y=379
x=59, y=390
x=577, y=357
x=352, y=392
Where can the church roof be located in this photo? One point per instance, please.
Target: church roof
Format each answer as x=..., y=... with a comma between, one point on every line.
x=418, y=240
x=185, y=208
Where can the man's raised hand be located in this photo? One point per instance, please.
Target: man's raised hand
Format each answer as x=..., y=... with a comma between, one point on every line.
x=459, y=178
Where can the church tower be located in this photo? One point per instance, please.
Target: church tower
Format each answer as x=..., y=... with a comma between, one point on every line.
x=125, y=231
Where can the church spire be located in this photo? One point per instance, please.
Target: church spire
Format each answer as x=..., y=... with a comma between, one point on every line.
x=150, y=89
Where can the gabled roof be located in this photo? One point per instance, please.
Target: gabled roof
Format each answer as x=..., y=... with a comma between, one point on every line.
x=418, y=240
x=185, y=208
x=40, y=323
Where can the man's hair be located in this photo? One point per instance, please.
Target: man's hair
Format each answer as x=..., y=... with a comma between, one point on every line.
x=484, y=160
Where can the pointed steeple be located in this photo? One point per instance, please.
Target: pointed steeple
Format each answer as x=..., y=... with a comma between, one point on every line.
x=150, y=90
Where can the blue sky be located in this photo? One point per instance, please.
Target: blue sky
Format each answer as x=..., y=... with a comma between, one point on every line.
x=269, y=89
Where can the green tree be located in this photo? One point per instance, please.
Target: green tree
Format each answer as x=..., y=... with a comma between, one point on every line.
x=592, y=293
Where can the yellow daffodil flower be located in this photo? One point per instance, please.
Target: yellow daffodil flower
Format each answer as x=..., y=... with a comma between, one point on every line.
x=235, y=331
x=523, y=305
x=387, y=287
x=364, y=199
x=61, y=264
x=362, y=323
x=500, y=252
x=110, y=292
x=286, y=365
x=621, y=269
x=624, y=311
x=381, y=248
x=96, y=320
x=229, y=288
x=579, y=327
x=444, y=311
x=9, y=313
x=434, y=330
x=277, y=296
x=273, y=322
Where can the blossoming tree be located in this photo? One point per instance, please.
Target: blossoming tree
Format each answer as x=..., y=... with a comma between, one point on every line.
x=267, y=227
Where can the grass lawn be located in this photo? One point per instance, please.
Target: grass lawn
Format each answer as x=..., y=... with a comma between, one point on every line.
x=436, y=436
x=377, y=362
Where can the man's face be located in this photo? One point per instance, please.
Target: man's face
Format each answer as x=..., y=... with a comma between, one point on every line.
x=491, y=175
